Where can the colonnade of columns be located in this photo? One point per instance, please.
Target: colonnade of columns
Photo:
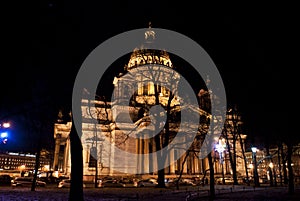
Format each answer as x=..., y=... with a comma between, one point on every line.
x=56, y=151
x=147, y=163
x=61, y=163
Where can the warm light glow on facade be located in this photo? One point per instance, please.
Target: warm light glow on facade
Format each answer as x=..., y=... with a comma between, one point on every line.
x=22, y=167
x=251, y=166
x=46, y=167
x=220, y=147
x=271, y=165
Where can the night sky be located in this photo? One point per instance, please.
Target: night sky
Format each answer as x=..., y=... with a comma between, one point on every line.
x=45, y=45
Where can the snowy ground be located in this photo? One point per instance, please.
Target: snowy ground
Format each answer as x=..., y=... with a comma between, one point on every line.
x=148, y=194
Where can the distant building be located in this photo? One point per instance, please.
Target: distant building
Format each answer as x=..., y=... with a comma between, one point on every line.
x=274, y=164
x=15, y=163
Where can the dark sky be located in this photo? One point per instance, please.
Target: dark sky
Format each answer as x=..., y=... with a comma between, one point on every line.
x=250, y=44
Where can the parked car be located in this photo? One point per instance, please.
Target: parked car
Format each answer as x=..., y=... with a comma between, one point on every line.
x=170, y=183
x=200, y=181
x=26, y=181
x=187, y=182
x=130, y=182
x=228, y=180
x=111, y=183
x=5, y=179
x=66, y=183
x=181, y=182
x=147, y=183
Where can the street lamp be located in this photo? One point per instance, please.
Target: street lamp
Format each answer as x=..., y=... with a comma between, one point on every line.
x=220, y=148
x=255, y=174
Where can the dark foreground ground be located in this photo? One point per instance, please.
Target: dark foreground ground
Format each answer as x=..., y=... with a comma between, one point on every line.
x=228, y=193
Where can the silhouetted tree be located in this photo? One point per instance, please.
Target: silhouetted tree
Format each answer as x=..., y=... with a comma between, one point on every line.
x=76, y=188
x=231, y=134
x=39, y=116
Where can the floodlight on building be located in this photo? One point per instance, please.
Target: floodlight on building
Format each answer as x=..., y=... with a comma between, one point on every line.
x=271, y=165
x=6, y=125
x=255, y=170
x=254, y=149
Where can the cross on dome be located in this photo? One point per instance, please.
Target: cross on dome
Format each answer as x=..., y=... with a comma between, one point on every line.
x=150, y=33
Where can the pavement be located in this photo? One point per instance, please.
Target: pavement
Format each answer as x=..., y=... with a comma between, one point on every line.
x=254, y=194
x=227, y=192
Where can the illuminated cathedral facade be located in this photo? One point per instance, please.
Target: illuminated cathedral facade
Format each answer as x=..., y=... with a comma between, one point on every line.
x=110, y=128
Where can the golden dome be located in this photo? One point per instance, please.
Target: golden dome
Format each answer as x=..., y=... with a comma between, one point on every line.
x=145, y=55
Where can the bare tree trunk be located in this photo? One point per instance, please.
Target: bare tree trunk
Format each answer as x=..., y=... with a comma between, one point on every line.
x=96, y=167
x=231, y=159
x=212, y=193
x=275, y=176
x=160, y=163
x=37, y=129
x=285, y=178
x=290, y=168
x=245, y=159
x=95, y=139
x=159, y=145
x=36, y=166
x=279, y=164
x=181, y=170
x=165, y=136
x=234, y=173
x=76, y=189
x=269, y=168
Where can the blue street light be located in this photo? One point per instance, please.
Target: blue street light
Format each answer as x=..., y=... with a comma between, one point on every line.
x=3, y=137
x=4, y=133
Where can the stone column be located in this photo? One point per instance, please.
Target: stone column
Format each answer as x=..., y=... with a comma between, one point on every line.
x=205, y=164
x=67, y=162
x=146, y=155
x=141, y=151
x=151, y=156
x=154, y=158
x=112, y=161
x=195, y=165
x=137, y=140
x=56, y=151
x=172, y=162
x=86, y=158
x=199, y=161
x=185, y=165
